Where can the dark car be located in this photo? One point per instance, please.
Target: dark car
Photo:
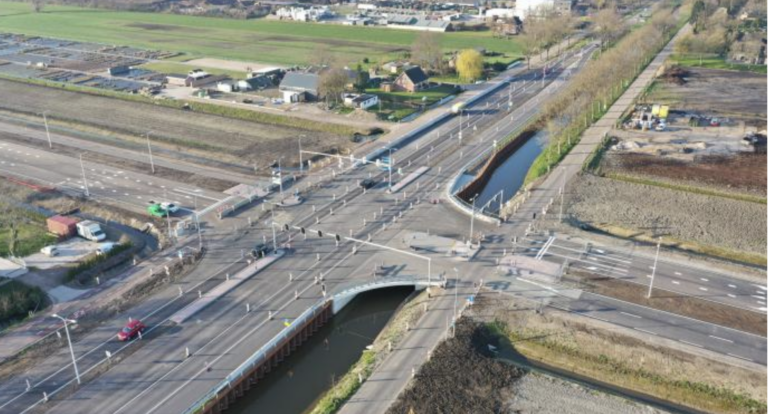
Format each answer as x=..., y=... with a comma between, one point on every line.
x=131, y=330
x=367, y=183
x=260, y=250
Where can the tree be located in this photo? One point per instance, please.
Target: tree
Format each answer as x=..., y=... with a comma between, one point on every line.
x=362, y=79
x=427, y=52
x=333, y=81
x=37, y=5
x=469, y=65
x=321, y=56
x=608, y=26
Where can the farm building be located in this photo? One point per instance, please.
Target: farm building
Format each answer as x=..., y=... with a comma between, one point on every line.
x=300, y=86
x=362, y=101
x=412, y=79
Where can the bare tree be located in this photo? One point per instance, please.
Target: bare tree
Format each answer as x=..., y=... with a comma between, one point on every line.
x=333, y=82
x=37, y=5
x=608, y=26
x=427, y=51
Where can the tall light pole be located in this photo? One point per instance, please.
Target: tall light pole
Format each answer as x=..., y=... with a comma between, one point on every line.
x=389, y=167
x=455, y=299
x=472, y=220
x=655, y=263
x=301, y=156
x=69, y=341
x=280, y=174
x=149, y=147
x=85, y=182
x=47, y=131
x=274, y=233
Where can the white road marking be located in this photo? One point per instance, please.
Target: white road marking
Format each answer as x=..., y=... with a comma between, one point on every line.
x=731, y=295
x=678, y=274
x=648, y=332
x=690, y=343
x=591, y=268
x=676, y=282
x=732, y=286
x=703, y=288
x=740, y=357
x=721, y=339
x=632, y=315
x=703, y=279
x=759, y=297
x=760, y=287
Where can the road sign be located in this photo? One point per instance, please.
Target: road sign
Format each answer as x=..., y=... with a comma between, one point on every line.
x=471, y=299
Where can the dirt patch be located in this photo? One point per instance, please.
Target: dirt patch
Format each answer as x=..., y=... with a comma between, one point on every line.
x=707, y=220
x=740, y=172
x=715, y=91
x=461, y=377
x=692, y=307
x=162, y=27
x=186, y=135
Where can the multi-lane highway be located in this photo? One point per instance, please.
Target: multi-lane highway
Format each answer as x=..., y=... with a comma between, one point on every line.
x=154, y=374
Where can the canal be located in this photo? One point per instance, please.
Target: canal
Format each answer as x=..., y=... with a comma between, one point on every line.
x=509, y=176
x=296, y=385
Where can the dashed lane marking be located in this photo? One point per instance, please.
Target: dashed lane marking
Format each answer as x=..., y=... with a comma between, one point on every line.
x=721, y=339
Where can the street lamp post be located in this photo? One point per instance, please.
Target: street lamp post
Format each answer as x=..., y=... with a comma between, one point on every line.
x=47, y=131
x=455, y=299
x=472, y=220
x=85, y=182
x=390, y=167
x=69, y=341
x=655, y=263
x=280, y=174
x=301, y=156
x=149, y=147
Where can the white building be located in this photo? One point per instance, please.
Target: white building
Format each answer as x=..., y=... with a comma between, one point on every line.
x=362, y=101
x=300, y=14
x=504, y=13
x=532, y=8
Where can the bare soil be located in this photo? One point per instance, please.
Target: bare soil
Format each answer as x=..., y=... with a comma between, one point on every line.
x=708, y=220
x=461, y=377
x=704, y=310
x=187, y=135
x=744, y=172
x=714, y=91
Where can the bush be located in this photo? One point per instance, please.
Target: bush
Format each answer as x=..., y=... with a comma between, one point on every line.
x=18, y=299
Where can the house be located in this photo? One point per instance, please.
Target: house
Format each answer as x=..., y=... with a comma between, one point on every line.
x=392, y=67
x=175, y=79
x=226, y=86
x=254, y=83
x=300, y=86
x=362, y=101
x=200, y=79
x=412, y=79
x=301, y=14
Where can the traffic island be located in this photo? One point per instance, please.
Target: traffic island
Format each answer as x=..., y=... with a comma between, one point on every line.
x=443, y=246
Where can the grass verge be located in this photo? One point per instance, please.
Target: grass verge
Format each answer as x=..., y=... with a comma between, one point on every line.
x=715, y=62
x=688, y=246
x=553, y=349
x=32, y=231
x=686, y=188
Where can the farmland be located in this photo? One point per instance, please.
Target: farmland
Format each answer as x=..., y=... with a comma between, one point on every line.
x=252, y=40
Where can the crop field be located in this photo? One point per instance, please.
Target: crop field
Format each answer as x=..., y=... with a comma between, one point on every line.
x=270, y=41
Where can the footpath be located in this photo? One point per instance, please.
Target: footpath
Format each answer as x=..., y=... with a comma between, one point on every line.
x=544, y=194
x=39, y=327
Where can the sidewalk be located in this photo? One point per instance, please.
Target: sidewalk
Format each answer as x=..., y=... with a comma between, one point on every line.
x=543, y=194
x=19, y=337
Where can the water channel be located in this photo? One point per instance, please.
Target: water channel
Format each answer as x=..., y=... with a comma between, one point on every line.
x=296, y=385
x=509, y=176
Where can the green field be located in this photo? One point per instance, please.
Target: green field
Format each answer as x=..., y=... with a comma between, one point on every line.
x=259, y=40
x=715, y=62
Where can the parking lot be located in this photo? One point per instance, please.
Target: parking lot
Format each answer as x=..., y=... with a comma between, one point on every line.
x=70, y=251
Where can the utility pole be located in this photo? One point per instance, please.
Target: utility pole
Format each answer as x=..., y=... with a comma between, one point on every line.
x=47, y=132
x=390, y=167
x=301, y=156
x=274, y=233
x=69, y=341
x=280, y=174
x=149, y=147
x=85, y=182
x=655, y=263
x=472, y=220
x=455, y=299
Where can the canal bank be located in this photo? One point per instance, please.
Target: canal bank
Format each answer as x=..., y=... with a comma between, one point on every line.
x=297, y=384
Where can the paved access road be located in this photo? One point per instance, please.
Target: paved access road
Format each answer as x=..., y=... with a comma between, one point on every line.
x=128, y=189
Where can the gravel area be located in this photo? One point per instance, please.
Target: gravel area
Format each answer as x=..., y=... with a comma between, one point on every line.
x=541, y=394
x=714, y=221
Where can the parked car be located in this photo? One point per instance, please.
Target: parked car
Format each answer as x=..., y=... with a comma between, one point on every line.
x=131, y=330
x=247, y=101
x=714, y=122
x=367, y=183
x=661, y=126
x=50, y=251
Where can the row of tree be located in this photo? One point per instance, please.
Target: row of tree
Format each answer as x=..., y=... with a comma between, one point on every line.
x=598, y=84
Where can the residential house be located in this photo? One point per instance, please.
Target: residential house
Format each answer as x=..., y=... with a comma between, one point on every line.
x=300, y=86
x=255, y=83
x=312, y=14
x=227, y=86
x=412, y=79
x=362, y=101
